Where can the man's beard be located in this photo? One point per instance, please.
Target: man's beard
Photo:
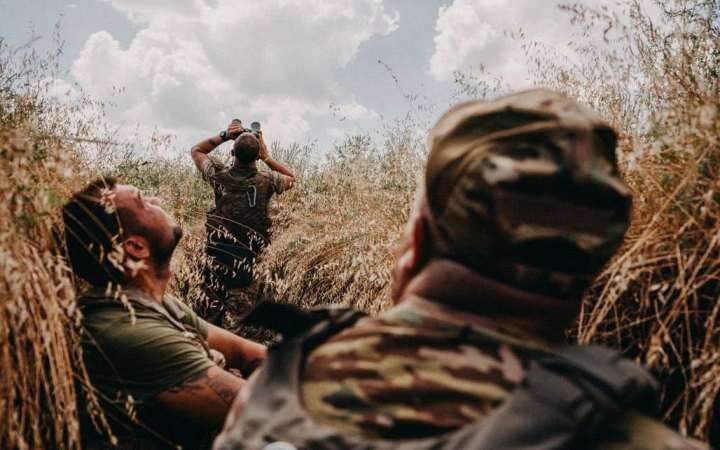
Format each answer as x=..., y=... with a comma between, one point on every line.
x=163, y=253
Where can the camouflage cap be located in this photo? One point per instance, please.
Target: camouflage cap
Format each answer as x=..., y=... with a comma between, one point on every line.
x=526, y=189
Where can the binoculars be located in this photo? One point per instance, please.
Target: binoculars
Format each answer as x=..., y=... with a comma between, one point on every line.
x=254, y=128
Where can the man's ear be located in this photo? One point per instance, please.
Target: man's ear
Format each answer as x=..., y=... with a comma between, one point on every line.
x=414, y=254
x=419, y=248
x=136, y=247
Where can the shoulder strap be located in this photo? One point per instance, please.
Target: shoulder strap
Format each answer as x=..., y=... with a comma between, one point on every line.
x=274, y=413
x=567, y=400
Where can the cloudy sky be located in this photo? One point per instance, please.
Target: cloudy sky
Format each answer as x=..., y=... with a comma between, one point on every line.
x=307, y=69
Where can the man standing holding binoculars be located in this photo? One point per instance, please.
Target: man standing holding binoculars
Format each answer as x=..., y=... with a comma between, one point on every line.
x=238, y=227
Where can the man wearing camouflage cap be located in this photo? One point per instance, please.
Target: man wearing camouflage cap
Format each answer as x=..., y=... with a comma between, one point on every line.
x=521, y=207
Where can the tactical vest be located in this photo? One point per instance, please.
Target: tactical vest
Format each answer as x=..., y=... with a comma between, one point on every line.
x=242, y=198
x=565, y=402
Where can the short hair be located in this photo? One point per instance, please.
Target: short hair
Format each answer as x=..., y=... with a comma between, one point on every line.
x=92, y=228
x=246, y=148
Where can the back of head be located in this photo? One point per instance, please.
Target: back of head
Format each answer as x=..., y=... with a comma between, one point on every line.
x=92, y=228
x=526, y=190
x=246, y=148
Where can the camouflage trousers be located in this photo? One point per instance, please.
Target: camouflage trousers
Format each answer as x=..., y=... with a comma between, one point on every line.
x=238, y=303
x=225, y=295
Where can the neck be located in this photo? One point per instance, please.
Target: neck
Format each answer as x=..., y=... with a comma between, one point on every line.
x=152, y=281
x=449, y=283
x=250, y=165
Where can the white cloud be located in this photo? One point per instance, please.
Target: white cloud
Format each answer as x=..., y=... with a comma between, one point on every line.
x=336, y=133
x=59, y=89
x=194, y=65
x=470, y=33
x=352, y=111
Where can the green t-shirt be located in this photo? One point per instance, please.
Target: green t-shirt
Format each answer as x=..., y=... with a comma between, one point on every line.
x=140, y=353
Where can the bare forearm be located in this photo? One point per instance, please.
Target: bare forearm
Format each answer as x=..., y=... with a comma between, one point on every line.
x=239, y=353
x=248, y=356
x=279, y=167
x=207, y=145
x=206, y=397
x=200, y=150
x=243, y=354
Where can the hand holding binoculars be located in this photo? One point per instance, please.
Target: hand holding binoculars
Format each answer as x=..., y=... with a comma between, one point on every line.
x=254, y=128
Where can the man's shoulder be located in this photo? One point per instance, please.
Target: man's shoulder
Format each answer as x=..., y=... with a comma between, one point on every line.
x=382, y=362
x=267, y=177
x=415, y=334
x=140, y=340
x=638, y=432
x=211, y=168
x=108, y=320
x=116, y=324
x=239, y=177
x=100, y=310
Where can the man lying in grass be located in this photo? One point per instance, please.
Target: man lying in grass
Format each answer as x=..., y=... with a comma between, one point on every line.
x=164, y=376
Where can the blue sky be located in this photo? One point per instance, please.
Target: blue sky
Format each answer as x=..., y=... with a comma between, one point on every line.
x=308, y=69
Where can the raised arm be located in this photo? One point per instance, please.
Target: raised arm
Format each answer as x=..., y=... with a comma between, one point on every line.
x=277, y=166
x=199, y=152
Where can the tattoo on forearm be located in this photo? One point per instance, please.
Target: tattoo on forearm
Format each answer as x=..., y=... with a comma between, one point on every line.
x=194, y=383
x=198, y=382
x=225, y=392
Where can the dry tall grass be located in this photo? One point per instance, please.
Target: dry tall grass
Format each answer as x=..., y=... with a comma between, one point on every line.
x=658, y=81
x=335, y=233
x=40, y=359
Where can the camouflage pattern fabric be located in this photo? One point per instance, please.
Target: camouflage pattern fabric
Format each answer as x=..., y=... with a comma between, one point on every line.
x=526, y=190
x=417, y=372
x=238, y=303
x=242, y=198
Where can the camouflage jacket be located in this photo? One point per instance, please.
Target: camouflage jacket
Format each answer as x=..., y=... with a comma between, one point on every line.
x=417, y=370
x=422, y=369
x=591, y=386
